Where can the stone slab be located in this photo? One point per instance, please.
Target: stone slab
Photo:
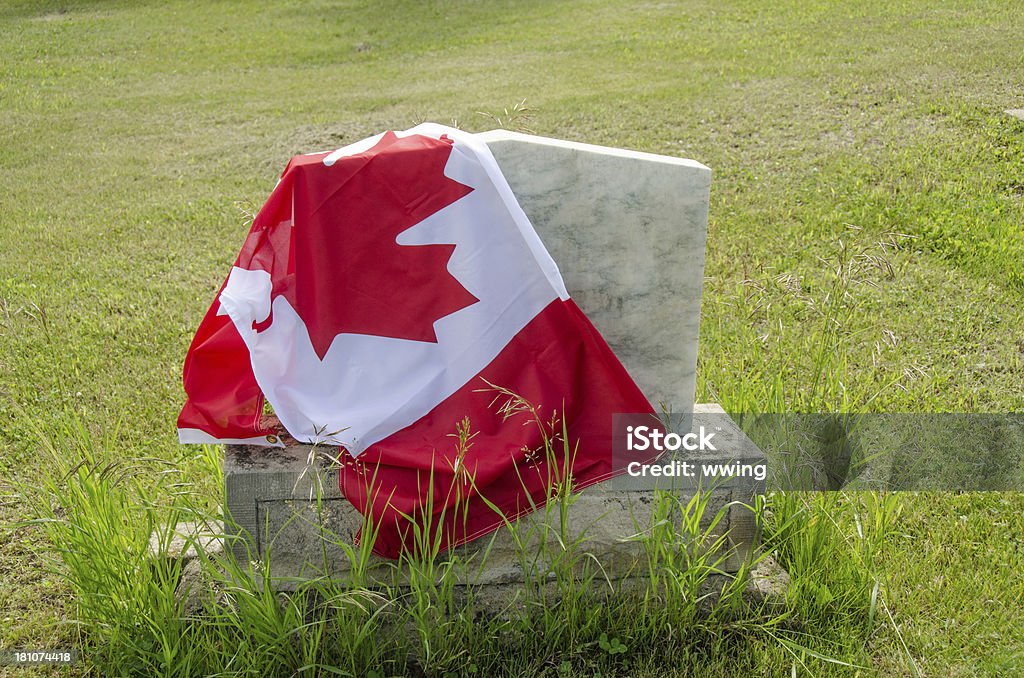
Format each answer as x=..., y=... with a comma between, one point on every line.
x=1016, y=112
x=182, y=542
x=284, y=507
x=627, y=230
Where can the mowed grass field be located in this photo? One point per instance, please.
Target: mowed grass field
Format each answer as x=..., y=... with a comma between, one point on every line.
x=862, y=142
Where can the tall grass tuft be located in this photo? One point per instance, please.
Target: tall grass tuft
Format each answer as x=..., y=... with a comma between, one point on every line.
x=828, y=542
x=100, y=514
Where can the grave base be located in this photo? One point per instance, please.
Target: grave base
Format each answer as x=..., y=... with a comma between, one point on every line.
x=284, y=508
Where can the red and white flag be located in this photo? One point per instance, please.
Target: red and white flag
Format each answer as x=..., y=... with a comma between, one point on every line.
x=383, y=293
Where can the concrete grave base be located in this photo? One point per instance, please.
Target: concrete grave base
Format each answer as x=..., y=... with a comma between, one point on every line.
x=285, y=509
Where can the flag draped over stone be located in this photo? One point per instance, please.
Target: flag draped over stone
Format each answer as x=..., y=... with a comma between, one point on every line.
x=392, y=298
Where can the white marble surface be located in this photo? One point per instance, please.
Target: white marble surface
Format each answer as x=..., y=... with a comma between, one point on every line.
x=627, y=230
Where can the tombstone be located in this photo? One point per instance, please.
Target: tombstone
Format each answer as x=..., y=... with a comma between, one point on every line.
x=627, y=230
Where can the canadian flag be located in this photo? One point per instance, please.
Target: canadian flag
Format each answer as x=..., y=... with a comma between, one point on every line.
x=393, y=299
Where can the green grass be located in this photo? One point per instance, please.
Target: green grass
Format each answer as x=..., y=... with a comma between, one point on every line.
x=96, y=513
x=135, y=135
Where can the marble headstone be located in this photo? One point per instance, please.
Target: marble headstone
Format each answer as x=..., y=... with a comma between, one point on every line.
x=627, y=230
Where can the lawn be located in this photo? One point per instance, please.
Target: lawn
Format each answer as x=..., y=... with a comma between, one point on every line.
x=138, y=137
